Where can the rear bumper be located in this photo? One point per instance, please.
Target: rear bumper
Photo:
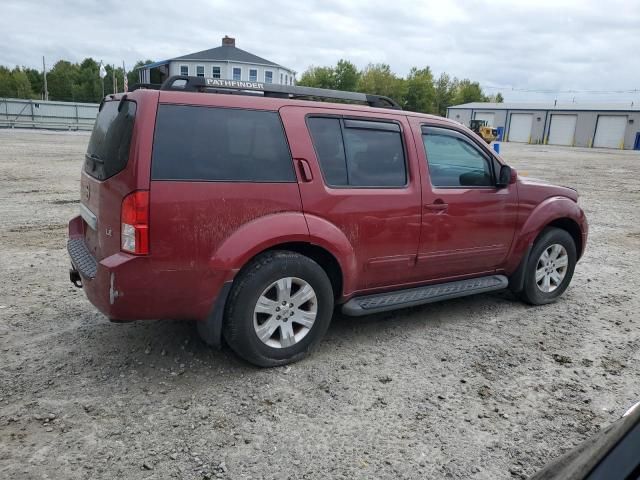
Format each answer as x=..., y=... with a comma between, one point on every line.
x=127, y=287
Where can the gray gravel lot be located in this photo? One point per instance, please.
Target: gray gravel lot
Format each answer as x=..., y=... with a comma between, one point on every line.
x=482, y=387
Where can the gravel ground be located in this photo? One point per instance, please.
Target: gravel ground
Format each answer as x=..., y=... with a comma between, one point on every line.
x=482, y=387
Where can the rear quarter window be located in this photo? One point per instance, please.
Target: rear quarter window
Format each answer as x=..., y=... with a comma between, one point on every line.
x=108, y=150
x=220, y=144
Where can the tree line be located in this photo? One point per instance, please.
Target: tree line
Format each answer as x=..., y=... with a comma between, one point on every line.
x=66, y=81
x=419, y=91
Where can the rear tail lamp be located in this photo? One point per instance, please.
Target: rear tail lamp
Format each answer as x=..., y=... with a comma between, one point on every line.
x=134, y=219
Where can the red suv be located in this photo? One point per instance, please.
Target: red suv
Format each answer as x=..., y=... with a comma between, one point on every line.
x=255, y=209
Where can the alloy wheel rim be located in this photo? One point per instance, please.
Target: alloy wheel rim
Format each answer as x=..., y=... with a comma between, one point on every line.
x=551, y=268
x=285, y=312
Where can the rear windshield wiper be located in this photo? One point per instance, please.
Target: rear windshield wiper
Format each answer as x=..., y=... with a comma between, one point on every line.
x=96, y=160
x=93, y=157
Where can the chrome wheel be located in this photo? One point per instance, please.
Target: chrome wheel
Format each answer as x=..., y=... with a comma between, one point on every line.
x=285, y=312
x=551, y=268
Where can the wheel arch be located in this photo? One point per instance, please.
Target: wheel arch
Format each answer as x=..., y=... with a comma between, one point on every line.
x=330, y=251
x=559, y=212
x=516, y=279
x=309, y=235
x=571, y=227
x=323, y=257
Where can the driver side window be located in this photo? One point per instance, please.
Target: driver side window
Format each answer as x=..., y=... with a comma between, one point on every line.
x=453, y=161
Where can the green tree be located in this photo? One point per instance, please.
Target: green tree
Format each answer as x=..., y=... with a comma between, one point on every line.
x=378, y=79
x=88, y=87
x=20, y=85
x=497, y=98
x=61, y=79
x=444, y=92
x=5, y=82
x=319, y=77
x=468, y=92
x=132, y=75
x=346, y=76
x=420, y=91
x=36, y=80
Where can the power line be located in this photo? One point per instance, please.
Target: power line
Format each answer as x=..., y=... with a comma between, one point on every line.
x=575, y=91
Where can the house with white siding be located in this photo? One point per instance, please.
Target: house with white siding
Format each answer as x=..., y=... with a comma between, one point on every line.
x=226, y=61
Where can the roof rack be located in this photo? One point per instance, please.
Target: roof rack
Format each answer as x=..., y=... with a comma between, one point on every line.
x=183, y=83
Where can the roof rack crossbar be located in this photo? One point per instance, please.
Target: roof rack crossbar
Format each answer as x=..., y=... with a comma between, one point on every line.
x=185, y=83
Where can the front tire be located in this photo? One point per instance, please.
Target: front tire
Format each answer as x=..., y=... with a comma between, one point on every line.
x=550, y=267
x=279, y=308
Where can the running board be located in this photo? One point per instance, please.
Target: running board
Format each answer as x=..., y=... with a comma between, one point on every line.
x=383, y=302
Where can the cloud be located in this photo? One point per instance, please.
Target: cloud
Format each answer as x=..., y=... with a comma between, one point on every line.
x=547, y=44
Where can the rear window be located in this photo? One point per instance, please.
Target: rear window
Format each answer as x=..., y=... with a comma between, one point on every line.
x=108, y=150
x=220, y=144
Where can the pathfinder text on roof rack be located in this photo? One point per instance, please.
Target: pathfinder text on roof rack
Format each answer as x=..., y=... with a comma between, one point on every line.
x=216, y=82
x=215, y=85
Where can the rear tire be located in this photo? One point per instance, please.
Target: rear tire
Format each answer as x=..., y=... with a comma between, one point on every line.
x=550, y=267
x=278, y=310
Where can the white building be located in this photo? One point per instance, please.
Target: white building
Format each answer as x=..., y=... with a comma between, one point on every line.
x=604, y=125
x=226, y=61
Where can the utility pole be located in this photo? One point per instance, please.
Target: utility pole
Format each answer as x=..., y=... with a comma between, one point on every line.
x=44, y=73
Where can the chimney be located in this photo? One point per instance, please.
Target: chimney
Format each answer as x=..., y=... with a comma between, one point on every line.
x=228, y=41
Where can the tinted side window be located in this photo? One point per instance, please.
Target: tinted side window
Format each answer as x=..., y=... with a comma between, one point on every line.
x=327, y=139
x=375, y=157
x=220, y=144
x=454, y=162
x=108, y=150
x=359, y=153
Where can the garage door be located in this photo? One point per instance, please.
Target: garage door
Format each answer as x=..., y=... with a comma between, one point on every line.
x=488, y=116
x=610, y=131
x=520, y=127
x=562, y=129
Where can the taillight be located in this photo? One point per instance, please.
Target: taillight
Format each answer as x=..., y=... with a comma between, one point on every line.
x=134, y=220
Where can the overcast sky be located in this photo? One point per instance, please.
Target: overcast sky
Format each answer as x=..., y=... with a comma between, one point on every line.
x=541, y=45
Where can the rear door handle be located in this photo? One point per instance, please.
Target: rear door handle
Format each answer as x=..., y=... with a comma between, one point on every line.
x=305, y=170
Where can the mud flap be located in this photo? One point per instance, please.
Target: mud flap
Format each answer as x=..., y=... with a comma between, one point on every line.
x=516, y=280
x=210, y=329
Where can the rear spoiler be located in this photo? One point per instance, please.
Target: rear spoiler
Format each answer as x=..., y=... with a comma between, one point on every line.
x=145, y=86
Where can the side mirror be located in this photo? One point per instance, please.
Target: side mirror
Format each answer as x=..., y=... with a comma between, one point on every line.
x=505, y=176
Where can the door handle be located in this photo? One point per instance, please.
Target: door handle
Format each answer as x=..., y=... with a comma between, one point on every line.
x=437, y=206
x=305, y=170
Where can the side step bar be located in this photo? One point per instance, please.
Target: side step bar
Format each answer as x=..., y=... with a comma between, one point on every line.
x=383, y=302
